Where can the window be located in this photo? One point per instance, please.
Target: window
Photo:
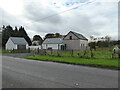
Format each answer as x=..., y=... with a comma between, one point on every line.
x=70, y=37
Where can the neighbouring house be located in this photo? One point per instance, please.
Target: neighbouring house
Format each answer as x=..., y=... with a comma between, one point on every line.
x=75, y=41
x=97, y=39
x=72, y=41
x=17, y=43
x=52, y=43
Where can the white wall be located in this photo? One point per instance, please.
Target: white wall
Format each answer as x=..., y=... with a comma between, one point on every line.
x=72, y=44
x=70, y=34
x=34, y=47
x=83, y=47
x=53, y=46
x=85, y=42
x=10, y=45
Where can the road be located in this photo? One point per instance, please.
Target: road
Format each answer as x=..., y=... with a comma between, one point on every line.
x=23, y=73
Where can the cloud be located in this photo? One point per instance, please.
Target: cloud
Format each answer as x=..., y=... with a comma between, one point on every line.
x=36, y=12
x=97, y=18
x=8, y=19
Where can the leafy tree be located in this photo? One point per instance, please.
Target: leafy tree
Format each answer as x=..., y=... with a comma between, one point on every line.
x=102, y=44
x=49, y=35
x=6, y=33
x=92, y=45
x=38, y=38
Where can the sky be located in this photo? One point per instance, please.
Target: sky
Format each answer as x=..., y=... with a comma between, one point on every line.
x=96, y=18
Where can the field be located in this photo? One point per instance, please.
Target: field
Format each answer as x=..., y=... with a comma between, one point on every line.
x=102, y=58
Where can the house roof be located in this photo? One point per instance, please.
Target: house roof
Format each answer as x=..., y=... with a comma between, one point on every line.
x=18, y=40
x=53, y=41
x=79, y=36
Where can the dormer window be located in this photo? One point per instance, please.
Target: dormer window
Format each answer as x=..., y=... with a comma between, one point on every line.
x=70, y=37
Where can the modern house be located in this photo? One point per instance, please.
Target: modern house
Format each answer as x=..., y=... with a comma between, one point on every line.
x=52, y=43
x=72, y=41
x=75, y=41
x=17, y=43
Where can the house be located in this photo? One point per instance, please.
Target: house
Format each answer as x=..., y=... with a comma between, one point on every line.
x=75, y=41
x=97, y=39
x=72, y=41
x=17, y=43
x=52, y=43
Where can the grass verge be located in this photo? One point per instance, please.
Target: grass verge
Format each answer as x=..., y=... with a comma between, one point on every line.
x=108, y=63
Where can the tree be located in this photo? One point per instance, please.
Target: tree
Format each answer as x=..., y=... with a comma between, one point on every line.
x=57, y=35
x=92, y=45
x=22, y=33
x=6, y=33
x=49, y=35
x=16, y=32
x=91, y=37
x=38, y=38
x=9, y=32
x=108, y=38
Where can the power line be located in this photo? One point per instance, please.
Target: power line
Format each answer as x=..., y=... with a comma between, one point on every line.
x=65, y=10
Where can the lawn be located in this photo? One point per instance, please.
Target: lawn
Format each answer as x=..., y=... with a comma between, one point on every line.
x=103, y=54
x=3, y=52
x=111, y=63
x=102, y=58
x=17, y=51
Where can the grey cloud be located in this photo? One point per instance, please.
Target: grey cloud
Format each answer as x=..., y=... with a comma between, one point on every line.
x=77, y=22
x=39, y=13
x=8, y=19
x=74, y=20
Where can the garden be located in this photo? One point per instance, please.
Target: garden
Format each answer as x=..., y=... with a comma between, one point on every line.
x=101, y=57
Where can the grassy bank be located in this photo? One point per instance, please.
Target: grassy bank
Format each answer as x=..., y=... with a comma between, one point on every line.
x=110, y=63
x=17, y=51
x=3, y=52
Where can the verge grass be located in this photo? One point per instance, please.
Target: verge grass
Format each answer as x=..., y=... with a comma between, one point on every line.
x=111, y=63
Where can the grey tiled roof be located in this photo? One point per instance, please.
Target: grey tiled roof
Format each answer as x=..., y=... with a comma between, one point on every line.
x=53, y=41
x=18, y=40
x=80, y=36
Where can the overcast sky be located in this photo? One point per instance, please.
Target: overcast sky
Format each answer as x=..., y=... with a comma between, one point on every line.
x=39, y=17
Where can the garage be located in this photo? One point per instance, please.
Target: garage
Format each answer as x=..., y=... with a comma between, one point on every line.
x=21, y=47
x=16, y=43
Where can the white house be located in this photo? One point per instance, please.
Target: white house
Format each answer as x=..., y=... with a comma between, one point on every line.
x=17, y=43
x=75, y=41
x=72, y=41
x=52, y=43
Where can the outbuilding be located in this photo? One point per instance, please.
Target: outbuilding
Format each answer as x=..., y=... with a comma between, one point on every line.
x=17, y=43
x=52, y=43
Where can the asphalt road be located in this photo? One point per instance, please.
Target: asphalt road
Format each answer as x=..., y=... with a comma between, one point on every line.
x=22, y=73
